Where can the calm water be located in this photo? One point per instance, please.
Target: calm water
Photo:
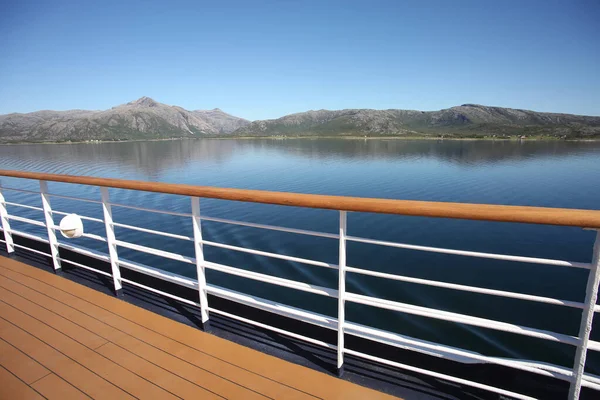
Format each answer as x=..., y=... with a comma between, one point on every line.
x=552, y=174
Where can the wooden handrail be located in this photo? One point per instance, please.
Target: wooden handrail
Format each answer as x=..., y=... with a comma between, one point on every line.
x=482, y=212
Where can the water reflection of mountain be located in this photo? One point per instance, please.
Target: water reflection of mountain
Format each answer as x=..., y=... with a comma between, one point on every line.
x=150, y=159
x=454, y=151
x=147, y=158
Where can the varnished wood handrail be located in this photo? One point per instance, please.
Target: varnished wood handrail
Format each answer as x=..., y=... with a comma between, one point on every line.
x=483, y=212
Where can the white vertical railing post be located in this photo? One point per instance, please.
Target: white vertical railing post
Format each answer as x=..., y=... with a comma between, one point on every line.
x=111, y=242
x=341, y=294
x=591, y=295
x=52, y=240
x=199, y=249
x=10, y=245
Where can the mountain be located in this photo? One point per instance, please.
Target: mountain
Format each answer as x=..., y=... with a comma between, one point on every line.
x=148, y=119
x=140, y=119
x=467, y=120
x=223, y=122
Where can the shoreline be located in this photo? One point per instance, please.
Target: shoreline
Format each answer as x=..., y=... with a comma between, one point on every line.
x=510, y=139
x=441, y=139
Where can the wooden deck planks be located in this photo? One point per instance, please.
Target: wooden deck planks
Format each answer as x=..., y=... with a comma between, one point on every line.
x=195, y=369
x=12, y=388
x=75, y=332
x=53, y=387
x=186, y=389
x=141, y=353
x=53, y=360
x=124, y=379
x=19, y=364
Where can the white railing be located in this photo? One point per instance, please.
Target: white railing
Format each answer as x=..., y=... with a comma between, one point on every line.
x=575, y=376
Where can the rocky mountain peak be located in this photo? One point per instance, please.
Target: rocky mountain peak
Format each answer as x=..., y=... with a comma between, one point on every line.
x=144, y=102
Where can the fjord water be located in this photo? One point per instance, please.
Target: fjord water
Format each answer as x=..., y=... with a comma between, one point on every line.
x=536, y=173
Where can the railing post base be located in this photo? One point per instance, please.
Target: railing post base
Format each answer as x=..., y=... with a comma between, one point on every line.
x=118, y=292
x=340, y=371
x=205, y=326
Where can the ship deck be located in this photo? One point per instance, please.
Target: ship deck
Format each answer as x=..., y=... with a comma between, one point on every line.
x=59, y=339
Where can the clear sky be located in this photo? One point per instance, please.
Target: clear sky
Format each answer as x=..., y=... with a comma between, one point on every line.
x=264, y=59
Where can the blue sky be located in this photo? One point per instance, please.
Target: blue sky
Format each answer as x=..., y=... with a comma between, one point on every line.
x=265, y=59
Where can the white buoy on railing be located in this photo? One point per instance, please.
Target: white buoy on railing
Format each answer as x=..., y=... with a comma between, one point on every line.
x=71, y=226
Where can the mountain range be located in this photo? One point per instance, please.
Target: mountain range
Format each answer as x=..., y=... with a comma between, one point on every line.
x=148, y=119
x=467, y=120
x=140, y=119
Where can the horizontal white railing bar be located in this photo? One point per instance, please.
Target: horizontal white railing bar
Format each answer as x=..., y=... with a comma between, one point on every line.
x=86, y=235
x=593, y=345
x=29, y=235
x=150, y=289
x=26, y=220
x=439, y=375
x=531, y=260
x=465, y=288
x=272, y=227
x=19, y=246
x=10, y=203
x=155, y=252
x=305, y=287
x=152, y=231
x=93, y=236
x=238, y=297
x=274, y=329
x=453, y=353
x=79, y=215
x=74, y=248
x=273, y=306
x=153, y=210
x=20, y=190
x=85, y=267
x=62, y=196
x=272, y=255
x=159, y=274
x=86, y=252
x=461, y=318
x=595, y=379
x=588, y=384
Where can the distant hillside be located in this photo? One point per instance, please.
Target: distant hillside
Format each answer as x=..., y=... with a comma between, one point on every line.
x=148, y=119
x=140, y=119
x=468, y=120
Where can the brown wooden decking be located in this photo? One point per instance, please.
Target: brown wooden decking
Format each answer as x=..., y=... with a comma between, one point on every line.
x=62, y=340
